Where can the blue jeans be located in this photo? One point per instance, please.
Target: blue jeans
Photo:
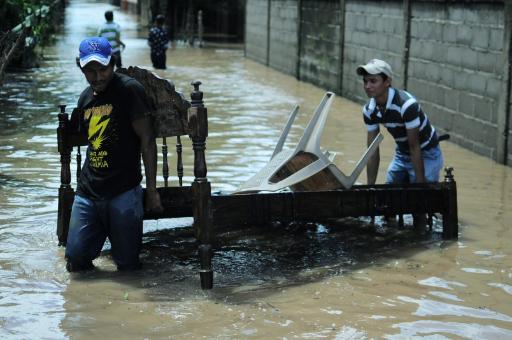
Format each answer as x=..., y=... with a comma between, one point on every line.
x=92, y=221
x=401, y=170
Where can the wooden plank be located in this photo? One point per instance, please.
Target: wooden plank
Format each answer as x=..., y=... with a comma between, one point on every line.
x=262, y=208
x=177, y=202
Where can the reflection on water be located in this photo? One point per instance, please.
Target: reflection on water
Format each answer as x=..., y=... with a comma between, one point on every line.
x=338, y=280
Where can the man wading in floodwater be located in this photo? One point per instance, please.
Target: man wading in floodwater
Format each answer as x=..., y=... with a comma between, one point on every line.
x=418, y=157
x=109, y=198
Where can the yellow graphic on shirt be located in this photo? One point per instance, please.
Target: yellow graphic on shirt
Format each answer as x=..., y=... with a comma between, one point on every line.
x=95, y=125
x=98, y=120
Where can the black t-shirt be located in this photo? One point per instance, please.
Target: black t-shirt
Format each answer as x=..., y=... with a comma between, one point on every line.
x=112, y=164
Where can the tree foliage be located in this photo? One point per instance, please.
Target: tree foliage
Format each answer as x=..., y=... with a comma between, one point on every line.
x=14, y=12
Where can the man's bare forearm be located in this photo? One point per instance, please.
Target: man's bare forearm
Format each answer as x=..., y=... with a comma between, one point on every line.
x=372, y=167
x=413, y=138
x=149, y=157
x=417, y=163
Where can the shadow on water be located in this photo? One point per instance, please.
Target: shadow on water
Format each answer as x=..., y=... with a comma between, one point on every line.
x=258, y=261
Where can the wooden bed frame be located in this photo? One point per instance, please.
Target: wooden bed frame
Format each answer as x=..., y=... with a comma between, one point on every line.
x=174, y=116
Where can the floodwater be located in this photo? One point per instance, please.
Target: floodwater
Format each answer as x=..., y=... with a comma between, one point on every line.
x=341, y=281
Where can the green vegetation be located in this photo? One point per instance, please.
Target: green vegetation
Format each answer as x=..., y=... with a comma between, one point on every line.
x=31, y=13
x=25, y=24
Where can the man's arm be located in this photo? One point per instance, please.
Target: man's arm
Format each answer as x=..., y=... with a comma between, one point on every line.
x=144, y=131
x=413, y=137
x=372, y=167
x=118, y=39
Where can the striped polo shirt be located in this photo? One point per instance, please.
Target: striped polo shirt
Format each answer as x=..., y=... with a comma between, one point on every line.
x=402, y=112
x=110, y=30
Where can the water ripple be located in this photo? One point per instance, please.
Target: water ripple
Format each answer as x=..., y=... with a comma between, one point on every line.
x=431, y=308
x=431, y=329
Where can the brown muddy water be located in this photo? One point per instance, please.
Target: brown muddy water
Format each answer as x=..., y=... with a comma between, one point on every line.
x=344, y=280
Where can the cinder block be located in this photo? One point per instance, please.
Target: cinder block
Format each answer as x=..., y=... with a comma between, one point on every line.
x=431, y=52
x=456, y=12
x=464, y=34
x=496, y=39
x=467, y=103
x=418, y=88
x=431, y=72
x=487, y=62
x=436, y=94
x=481, y=37
x=494, y=88
x=395, y=44
x=471, y=15
x=469, y=58
x=440, y=117
x=476, y=83
x=451, y=55
x=448, y=75
x=483, y=108
x=398, y=27
x=451, y=99
x=449, y=33
x=416, y=49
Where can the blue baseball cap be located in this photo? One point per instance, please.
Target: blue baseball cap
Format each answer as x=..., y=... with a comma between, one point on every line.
x=95, y=49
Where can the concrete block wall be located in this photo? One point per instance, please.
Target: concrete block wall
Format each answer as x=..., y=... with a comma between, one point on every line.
x=457, y=64
x=320, y=43
x=455, y=69
x=372, y=30
x=256, y=30
x=283, y=36
x=509, y=144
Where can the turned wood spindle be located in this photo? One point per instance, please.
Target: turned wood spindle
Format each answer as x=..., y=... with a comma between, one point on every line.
x=165, y=165
x=179, y=165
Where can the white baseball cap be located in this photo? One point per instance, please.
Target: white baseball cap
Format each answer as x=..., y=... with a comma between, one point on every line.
x=375, y=66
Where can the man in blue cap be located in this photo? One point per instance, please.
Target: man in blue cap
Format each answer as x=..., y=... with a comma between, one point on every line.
x=109, y=199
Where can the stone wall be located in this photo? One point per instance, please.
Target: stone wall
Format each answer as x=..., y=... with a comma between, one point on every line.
x=256, y=30
x=283, y=36
x=453, y=55
x=455, y=69
x=320, y=43
x=371, y=31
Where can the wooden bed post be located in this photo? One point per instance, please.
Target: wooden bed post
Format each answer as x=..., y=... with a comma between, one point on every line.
x=201, y=189
x=450, y=214
x=66, y=193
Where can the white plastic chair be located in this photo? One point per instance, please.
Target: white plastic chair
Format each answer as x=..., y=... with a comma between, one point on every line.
x=309, y=143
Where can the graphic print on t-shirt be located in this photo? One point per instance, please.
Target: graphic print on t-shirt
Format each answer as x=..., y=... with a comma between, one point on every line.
x=99, y=118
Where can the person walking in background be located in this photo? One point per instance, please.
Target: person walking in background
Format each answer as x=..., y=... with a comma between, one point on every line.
x=158, y=40
x=112, y=32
